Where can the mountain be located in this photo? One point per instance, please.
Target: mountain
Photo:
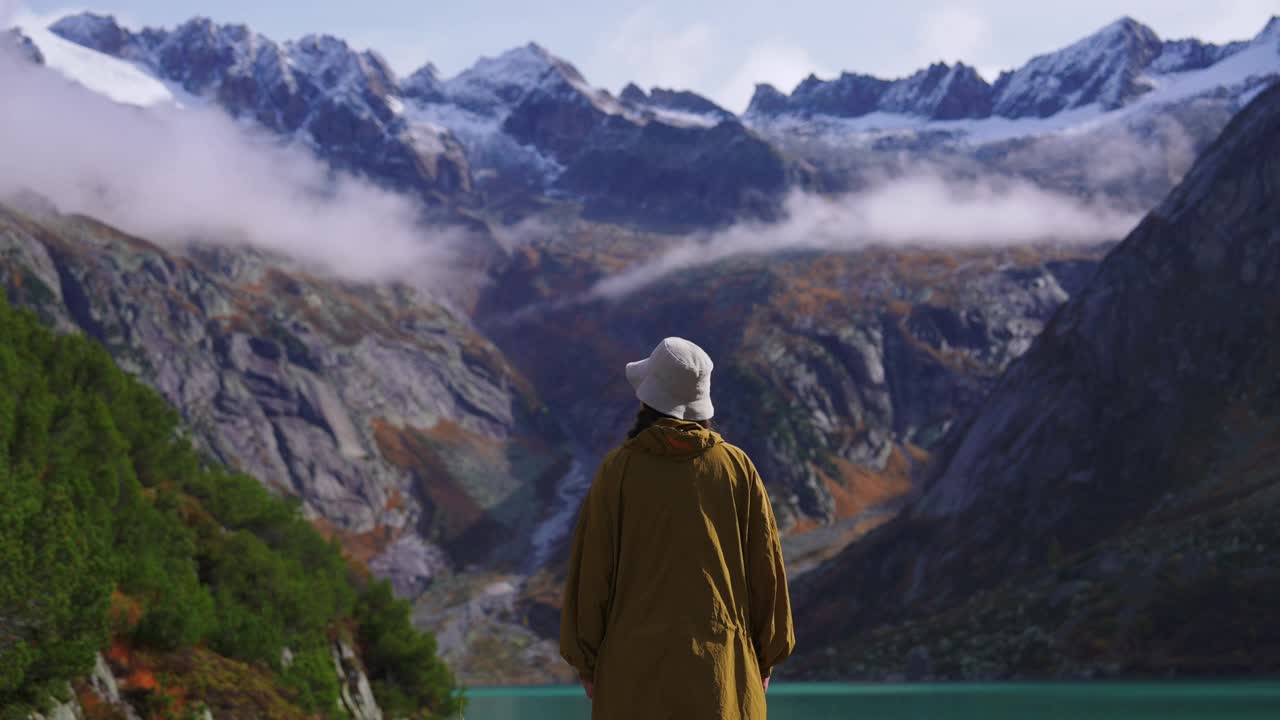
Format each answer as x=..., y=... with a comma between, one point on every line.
x=1111, y=69
x=1119, y=482
x=569, y=136
x=523, y=131
x=316, y=90
x=1103, y=68
x=683, y=170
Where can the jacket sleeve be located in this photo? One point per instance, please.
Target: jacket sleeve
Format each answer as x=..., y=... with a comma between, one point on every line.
x=772, y=631
x=590, y=580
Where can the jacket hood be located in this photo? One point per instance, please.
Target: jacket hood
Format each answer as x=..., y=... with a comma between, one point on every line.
x=675, y=438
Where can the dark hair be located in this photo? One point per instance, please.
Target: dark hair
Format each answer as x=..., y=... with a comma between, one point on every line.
x=648, y=416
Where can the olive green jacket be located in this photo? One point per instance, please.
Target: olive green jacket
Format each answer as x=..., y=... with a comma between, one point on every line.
x=676, y=601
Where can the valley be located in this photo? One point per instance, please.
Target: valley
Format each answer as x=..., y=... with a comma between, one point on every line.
x=927, y=301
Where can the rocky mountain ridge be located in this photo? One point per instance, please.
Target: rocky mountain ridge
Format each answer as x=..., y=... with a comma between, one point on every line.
x=523, y=129
x=570, y=137
x=1111, y=68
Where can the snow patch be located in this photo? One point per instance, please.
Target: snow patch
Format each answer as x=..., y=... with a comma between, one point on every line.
x=482, y=137
x=111, y=77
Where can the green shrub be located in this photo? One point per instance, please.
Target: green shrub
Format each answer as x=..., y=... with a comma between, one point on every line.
x=407, y=677
x=313, y=678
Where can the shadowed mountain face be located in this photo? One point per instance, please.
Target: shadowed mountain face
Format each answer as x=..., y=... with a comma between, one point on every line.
x=1128, y=458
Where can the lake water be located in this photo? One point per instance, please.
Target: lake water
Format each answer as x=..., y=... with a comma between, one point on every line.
x=1004, y=701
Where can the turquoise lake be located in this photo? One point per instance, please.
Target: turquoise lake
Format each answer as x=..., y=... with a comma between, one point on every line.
x=1006, y=701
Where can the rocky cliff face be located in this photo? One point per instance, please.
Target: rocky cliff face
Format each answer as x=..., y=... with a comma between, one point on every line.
x=837, y=372
x=1142, y=423
x=396, y=424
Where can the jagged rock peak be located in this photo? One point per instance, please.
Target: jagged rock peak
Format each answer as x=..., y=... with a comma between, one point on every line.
x=767, y=100
x=494, y=84
x=633, y=93
x=685, y=101
x=100, y=32
x=1271, y=31
x=424, y=84
x=1103, y=68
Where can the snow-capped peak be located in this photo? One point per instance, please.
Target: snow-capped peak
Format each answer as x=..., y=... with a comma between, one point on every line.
x=1103, y=68
x=424, y=85
x=497, y=83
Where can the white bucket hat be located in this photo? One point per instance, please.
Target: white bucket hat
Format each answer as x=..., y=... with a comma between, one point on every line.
x=675, y=380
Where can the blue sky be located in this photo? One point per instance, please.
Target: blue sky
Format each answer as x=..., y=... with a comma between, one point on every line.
x=718, y=47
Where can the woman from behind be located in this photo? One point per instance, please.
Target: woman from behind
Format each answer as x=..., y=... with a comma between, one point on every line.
x=676, y=603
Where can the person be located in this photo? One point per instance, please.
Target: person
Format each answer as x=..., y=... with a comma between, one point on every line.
x=676, y=602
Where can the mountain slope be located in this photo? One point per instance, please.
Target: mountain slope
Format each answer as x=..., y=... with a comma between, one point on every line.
x=119, y=539
x=385, y=413
x=1148, y=402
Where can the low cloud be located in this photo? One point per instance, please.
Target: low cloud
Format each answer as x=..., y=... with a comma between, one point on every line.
x=647, y=50
x=174, y=175
x=922, y=210
x=782, y=66
x=951, y=34
x=1229, y=20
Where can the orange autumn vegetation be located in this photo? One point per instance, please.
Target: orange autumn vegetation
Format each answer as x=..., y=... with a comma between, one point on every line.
x=858, y=488
x=124, y=612
x=412, y=450
x=358, y=547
